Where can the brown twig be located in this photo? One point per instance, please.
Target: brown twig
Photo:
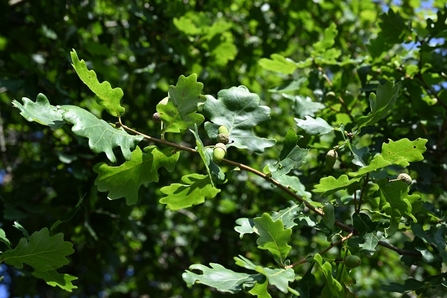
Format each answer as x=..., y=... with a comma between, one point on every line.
x=342, y=226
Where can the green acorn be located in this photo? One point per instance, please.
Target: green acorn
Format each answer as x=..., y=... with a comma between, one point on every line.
x=352, y=261
x=219, y=152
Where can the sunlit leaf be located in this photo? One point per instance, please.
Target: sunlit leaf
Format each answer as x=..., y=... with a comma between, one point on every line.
x=107, y=96
x=40, y=111
x=125, y=180
x=193, y=190
x=102, y=136
x=239, y=111
x=273, y=237
x=218, y=277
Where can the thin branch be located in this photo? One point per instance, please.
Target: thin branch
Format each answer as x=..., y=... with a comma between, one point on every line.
x=399, y=250
x=342, y=226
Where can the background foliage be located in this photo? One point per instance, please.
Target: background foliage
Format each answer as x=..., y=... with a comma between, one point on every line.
x=304, y=59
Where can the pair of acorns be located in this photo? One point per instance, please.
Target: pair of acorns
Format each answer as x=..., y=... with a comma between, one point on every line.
x=220, y=149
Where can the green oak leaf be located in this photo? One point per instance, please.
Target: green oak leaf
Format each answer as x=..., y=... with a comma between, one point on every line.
x=206, y=154
x=397, y=202
x=401, y=153
x=239, y=111
x=260, y=289
x=40, y=111
x=329, y=215
x=125, y=180
x=381, y=104
x=4, y=239
x=367, y=229
x=108, y=97
x=334, y=286
x=377, y=163
x=42, y=252
x=218, y=277
x=314, y=126
x=404, y=151
x=194, y=190
x=277, y=277
x=102, y=136
x=304, y=106
x=278, y=63
x=328, y=40
x=245, y=226
x=55, y=279
x=435, y=237
x=291, y=156
x=273, y=237
x=179, y=113
x=288, y=215
x=329, y=185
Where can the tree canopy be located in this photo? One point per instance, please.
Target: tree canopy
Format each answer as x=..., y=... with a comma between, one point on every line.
x=214, y=148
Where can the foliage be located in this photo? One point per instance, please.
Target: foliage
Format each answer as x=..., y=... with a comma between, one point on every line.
x=293, y=80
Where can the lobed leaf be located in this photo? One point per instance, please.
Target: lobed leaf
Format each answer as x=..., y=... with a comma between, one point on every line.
x=273, y=237
x=404, y=151
x=107, y=96
x=40, y=111
x=42, y=252
x=179, y=113
x=194, y=190
x=218, y=277
x=55, y=279
x=329, y=185
x=397, y=202
x=238, y=110
x=102, y=136
x=278, y=63
x=380, y=104
x=334, y=286
x=314, y=126
x=125, y=180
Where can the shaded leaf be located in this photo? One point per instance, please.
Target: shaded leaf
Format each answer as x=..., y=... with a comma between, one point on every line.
x=273, y=237
x=334, y=286
x=239, y=111
x=108, y=97
x=102, y=136
x=124, y=181
x=194, y=190
x=40, y=111
x=42, y=252
x=55, y=279
x=314, y=126
x=380, y=104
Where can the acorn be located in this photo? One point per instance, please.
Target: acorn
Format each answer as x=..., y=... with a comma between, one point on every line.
x=352, y=261
x=219, y=152
x=404, y=178
x=156, y=117
x=331, y=157
x=223, y=135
